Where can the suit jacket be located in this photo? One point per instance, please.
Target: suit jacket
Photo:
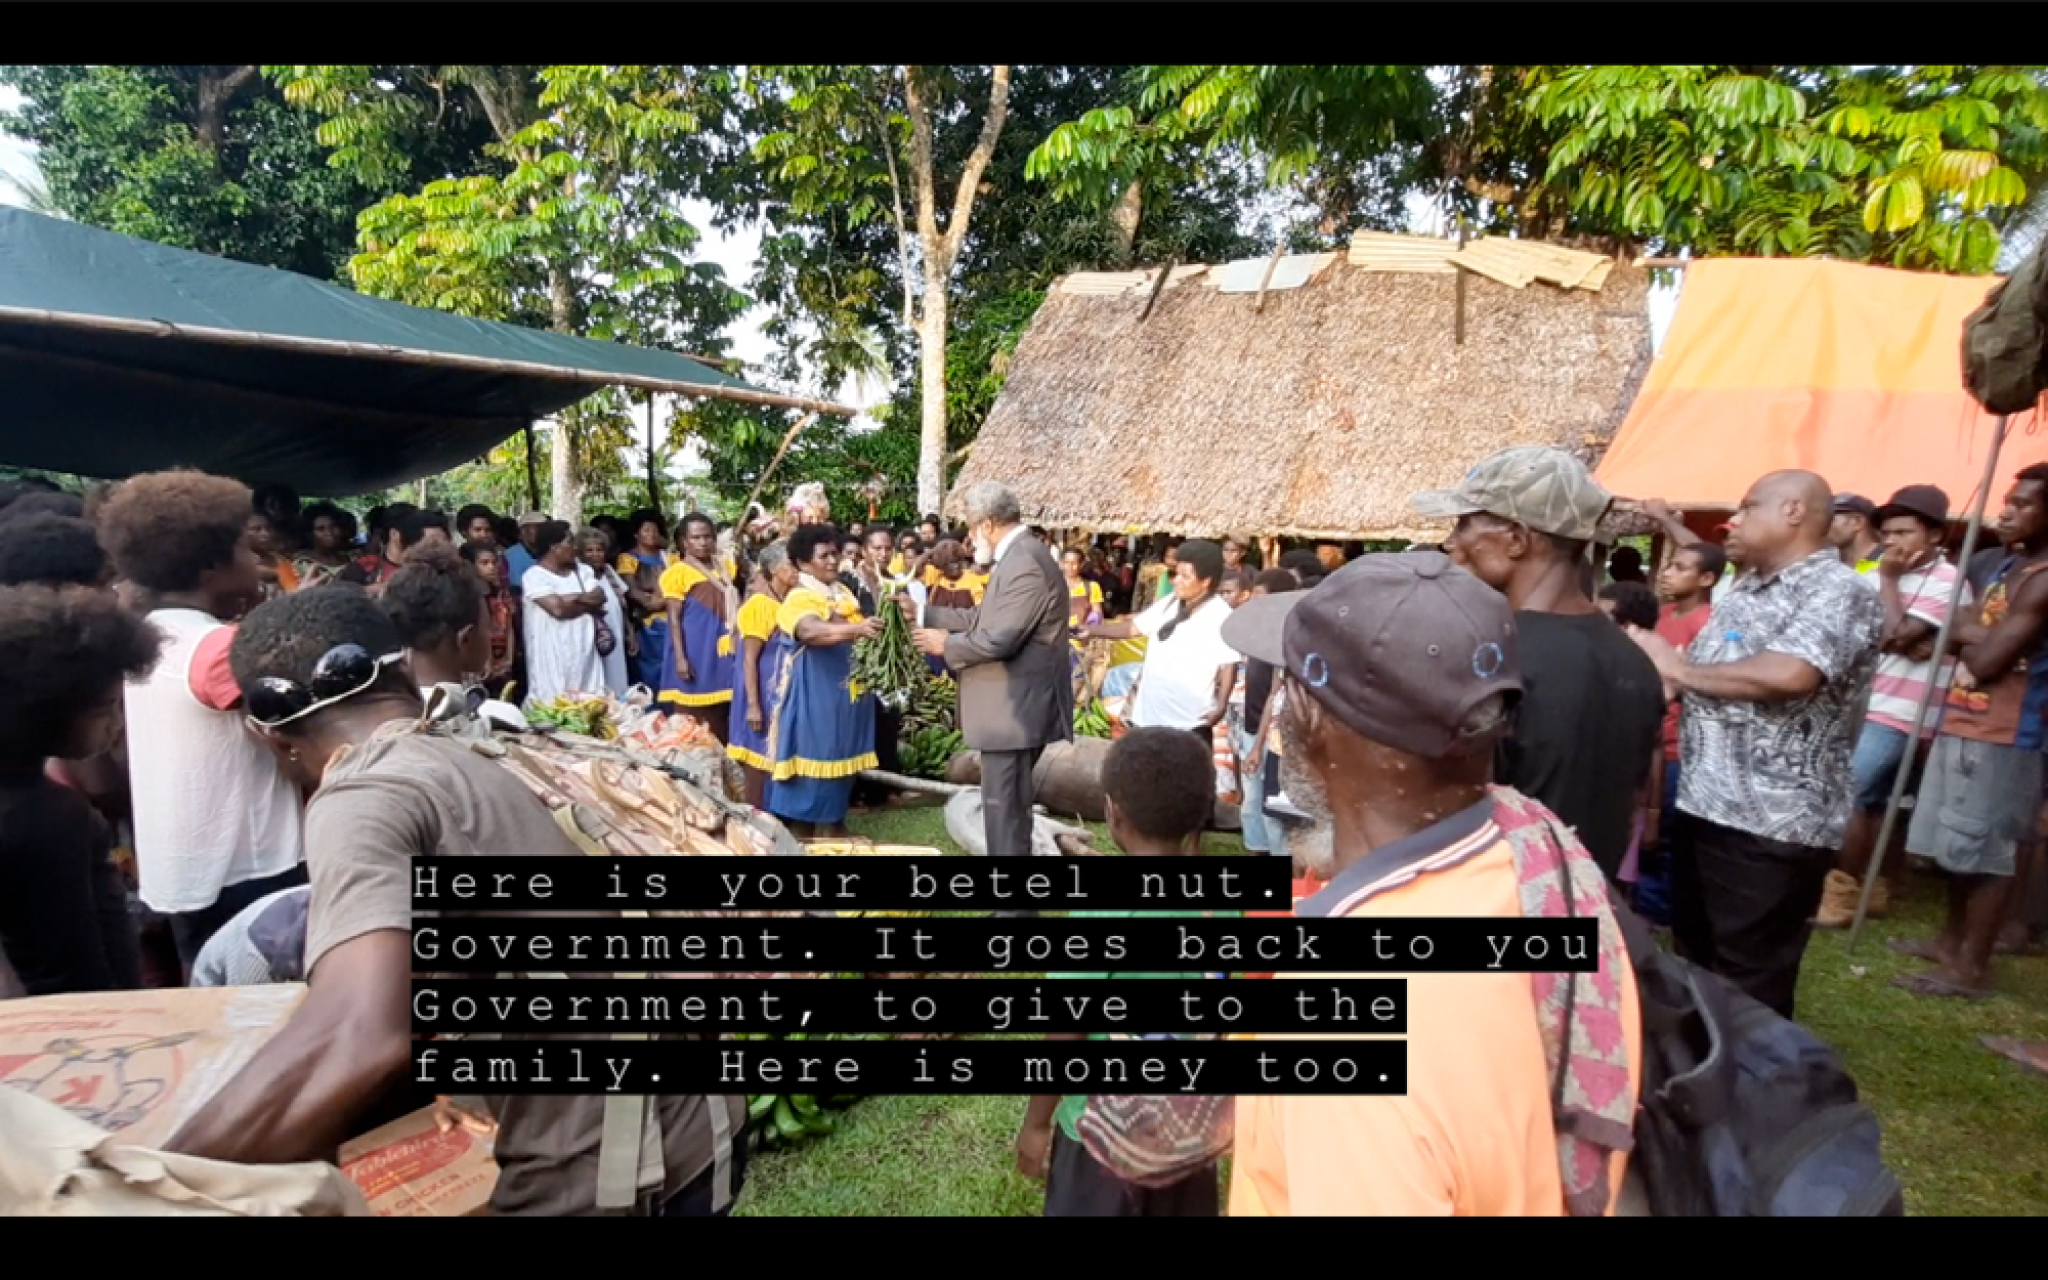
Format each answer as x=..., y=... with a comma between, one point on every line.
x=1011, y=654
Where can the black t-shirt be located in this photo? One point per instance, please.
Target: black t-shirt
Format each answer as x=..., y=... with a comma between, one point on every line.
x=1258, y=690
x=1591, y=714
x=64, y=917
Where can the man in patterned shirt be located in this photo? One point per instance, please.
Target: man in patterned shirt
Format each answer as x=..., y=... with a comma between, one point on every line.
x=1774, y=692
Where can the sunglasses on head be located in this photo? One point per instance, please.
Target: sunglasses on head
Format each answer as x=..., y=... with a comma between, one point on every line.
x=341, y=673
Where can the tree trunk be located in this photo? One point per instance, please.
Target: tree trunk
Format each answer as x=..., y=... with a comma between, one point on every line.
x=567, y=488
x=931, y=341
x=1125, y=217
x=217, y=91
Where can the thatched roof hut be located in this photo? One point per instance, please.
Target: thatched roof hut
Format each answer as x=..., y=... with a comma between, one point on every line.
x=1313, y=410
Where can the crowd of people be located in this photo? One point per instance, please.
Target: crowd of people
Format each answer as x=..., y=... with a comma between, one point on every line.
x=227, y=725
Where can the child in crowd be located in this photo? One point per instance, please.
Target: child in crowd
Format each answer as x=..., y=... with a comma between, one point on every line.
x=1157, y=797
x=65, y=653
x=216, y=820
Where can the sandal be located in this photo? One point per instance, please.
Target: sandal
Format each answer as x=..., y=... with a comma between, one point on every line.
x=2015, y=1050
x=1926, y=984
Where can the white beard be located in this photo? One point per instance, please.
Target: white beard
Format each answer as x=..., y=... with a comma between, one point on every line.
x=1314, y=846
x=984, y=554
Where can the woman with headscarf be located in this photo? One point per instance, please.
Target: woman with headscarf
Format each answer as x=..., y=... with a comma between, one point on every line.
x=761, y=663
x=594, y=549
x=821, y=728
x=1189, y=670
x=702, y=603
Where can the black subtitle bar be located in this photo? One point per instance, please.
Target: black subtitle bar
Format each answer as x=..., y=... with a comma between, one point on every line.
x=958, y=1006
x=959, y=1067
x=712, y=883
x=804, y=946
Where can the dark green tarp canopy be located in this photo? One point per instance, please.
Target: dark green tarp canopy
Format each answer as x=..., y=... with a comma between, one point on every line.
x=119, y=356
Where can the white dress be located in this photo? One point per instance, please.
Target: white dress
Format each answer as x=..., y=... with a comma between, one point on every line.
x=615, y=677
x=561, y=655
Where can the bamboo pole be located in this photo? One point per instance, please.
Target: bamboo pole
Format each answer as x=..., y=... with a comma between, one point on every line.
x=776, y=461
x=1904, y=777
x=411, y=356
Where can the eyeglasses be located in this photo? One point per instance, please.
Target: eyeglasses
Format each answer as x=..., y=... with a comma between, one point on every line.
x=341, y=673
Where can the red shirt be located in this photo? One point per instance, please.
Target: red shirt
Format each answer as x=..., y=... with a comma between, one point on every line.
x=1679, y=630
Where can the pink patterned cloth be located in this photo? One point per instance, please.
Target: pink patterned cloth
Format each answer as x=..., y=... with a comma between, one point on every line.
x=1595, y=1107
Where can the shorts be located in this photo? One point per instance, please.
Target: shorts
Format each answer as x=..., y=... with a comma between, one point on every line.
x=1077, y=1186
x=1978, y=803
x=1875, y=766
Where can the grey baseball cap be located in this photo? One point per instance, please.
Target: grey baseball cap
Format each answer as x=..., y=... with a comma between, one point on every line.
x=1398, y=647
x=1547, y=489
x=533, y=517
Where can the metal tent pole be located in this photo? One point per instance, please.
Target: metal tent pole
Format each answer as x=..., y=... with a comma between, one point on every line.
x=1906, y=766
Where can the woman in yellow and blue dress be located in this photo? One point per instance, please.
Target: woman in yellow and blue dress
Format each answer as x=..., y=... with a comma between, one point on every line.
x=641, y=565
x=702, y=606
x=821, y=730
x=761, y=664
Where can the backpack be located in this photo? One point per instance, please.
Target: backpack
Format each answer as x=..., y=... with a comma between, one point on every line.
x=1744, y=1114
x=2003, y=363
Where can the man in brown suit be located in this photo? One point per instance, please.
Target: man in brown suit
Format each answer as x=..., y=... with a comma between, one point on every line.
x=1010, y=654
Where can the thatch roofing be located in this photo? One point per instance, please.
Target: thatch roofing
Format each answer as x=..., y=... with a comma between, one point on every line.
x=1311, y=412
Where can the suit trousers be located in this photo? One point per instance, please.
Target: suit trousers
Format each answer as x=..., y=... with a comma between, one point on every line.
x=1743, y=906
x=1007, y=794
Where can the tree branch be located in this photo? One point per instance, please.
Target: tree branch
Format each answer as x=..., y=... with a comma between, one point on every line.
x=977, y=163
x=888, y=145
x=921, y=169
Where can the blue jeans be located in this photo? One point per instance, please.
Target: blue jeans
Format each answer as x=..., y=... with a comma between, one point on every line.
x=1875, y=766
x=1252, y=814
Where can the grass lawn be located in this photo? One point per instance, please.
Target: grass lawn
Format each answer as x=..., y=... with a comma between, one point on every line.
x=1964, y=1130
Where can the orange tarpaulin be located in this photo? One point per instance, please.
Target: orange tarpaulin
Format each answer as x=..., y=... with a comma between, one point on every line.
x=1851, y=371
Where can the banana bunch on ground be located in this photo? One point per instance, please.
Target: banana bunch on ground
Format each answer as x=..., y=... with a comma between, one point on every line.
x=784, y=1119
x=585, y=717
x=1091, y=721
x=926, y=752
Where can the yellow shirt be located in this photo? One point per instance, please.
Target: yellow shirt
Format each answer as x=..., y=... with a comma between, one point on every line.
x=758, y=617
x=805, y=603
x=1474, y=1136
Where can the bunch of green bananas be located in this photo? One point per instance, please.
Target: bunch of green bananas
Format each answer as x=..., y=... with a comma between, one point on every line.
x=783, y=1119
x=927, y=752
x=587, y=717
x=1091, y=721
x=935, y=705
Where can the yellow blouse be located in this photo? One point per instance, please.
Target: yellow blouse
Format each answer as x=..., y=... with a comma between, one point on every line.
x=681, y=577
x=758, y=617
x=804, y=603
x=629, y=564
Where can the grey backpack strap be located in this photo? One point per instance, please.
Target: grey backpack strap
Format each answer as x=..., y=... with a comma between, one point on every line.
x=621, y=1152
x=721, y=1152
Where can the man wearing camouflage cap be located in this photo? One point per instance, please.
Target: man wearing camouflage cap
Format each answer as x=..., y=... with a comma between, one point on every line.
x=1586, y=740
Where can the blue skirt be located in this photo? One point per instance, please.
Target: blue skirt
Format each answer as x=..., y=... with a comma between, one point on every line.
x=744, y=745
x=651, y=667
x=711, y=672
x=820, y=736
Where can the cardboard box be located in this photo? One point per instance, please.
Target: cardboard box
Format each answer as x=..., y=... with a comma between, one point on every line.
x=138, y=1063
x=410, y=1169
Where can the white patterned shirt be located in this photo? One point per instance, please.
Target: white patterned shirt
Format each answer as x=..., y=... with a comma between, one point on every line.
x=1780, y=770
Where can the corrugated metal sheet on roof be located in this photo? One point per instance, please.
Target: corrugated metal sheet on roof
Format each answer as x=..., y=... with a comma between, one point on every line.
x=1291, y=272
x=1111, y=283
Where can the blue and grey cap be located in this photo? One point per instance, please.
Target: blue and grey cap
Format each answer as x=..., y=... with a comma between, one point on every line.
x=1400, y=648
